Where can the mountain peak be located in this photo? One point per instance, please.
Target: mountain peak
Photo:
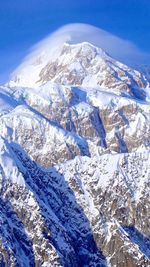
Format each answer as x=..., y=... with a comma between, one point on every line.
x=74, y=161
x=81, y=64
x=28, y=74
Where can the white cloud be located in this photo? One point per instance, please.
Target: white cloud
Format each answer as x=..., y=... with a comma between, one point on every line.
x=122, y=50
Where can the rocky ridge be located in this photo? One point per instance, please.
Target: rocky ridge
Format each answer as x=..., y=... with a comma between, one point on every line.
x=74, y=162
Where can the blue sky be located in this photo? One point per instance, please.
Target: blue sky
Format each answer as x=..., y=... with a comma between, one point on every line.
x=25, y=22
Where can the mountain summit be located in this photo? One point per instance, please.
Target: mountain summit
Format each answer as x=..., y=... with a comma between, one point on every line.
x=74, y=161
x=79, y=65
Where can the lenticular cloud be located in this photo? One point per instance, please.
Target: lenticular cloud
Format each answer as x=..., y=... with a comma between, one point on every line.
x=118, y=48
x=122, y=50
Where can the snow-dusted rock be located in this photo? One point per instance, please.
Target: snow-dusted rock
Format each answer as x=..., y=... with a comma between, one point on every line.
x=75, y=162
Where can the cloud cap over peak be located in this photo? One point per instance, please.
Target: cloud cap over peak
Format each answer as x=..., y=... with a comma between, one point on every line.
x=122, y=50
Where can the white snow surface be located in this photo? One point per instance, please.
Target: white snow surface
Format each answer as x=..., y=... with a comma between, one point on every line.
x=122, y=50
x=70, y=148
x=88, y=65
x=8, y=165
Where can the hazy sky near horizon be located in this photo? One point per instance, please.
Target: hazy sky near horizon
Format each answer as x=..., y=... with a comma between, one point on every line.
x=25, y=22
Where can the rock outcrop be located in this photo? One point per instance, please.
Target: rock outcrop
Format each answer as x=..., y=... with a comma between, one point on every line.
x=75, y=163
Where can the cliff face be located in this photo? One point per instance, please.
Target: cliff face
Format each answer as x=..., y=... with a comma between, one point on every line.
x=74, y=163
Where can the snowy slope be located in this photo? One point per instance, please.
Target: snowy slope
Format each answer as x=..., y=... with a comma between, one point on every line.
x=68, y=121
x=81, y=65
x=74, y=162
x=81, y=207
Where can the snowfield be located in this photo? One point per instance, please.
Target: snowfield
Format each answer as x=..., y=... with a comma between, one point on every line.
x=75, y=161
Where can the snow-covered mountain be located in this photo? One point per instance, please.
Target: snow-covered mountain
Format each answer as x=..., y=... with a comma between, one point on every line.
x=79, y=65
x=74, y=161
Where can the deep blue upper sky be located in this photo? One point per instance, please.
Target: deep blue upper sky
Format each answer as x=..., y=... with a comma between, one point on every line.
x=24, y=22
